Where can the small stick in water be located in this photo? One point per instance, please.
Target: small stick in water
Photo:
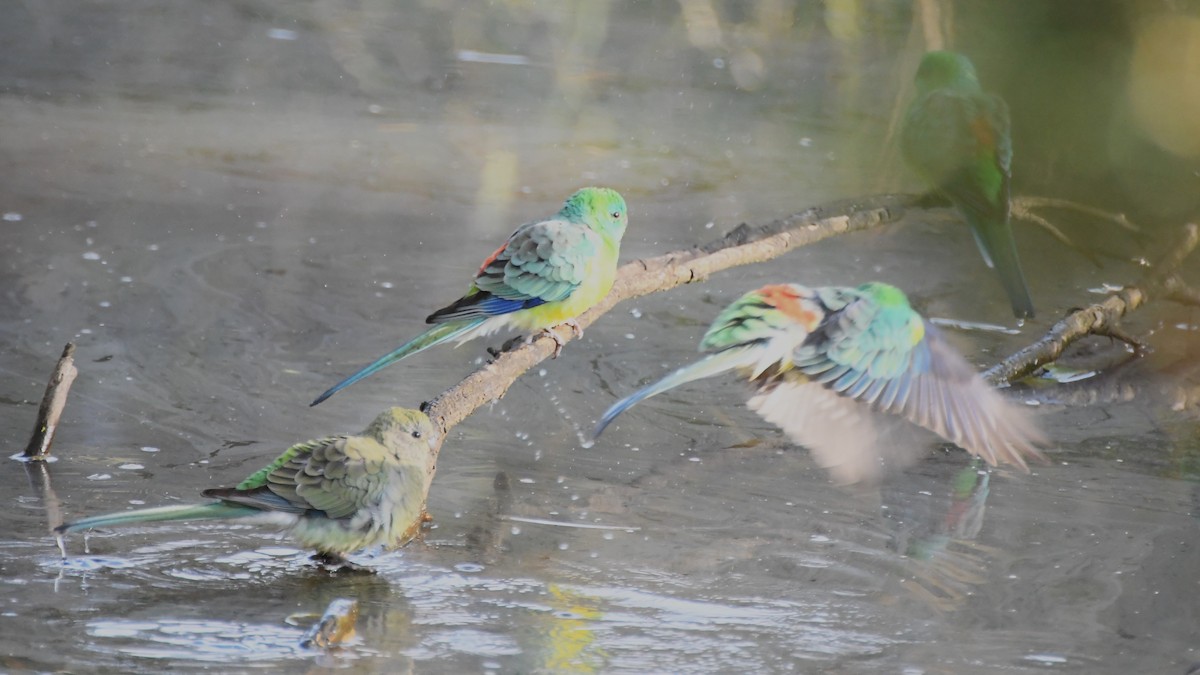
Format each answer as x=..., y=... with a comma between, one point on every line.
x=52, y=406
x=335, y=627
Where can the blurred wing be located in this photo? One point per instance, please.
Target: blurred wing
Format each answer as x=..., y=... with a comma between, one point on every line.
x=847, y=438
x=893, y=360
x=943, y=393
x=862, y=347
x=541, y=262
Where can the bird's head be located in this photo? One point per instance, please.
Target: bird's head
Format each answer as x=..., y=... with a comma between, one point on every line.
x=601, y=209
x=940, y=70
x=404, y=428
x=883, y=294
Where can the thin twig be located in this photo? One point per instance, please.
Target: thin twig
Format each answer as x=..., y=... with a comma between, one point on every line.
x=1021, y=213
x=1026, y=202
x=53, y=402
x=1178, y=291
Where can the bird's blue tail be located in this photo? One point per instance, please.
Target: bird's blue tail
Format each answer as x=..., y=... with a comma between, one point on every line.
x=713, y=364
x=434, y=336
x=160, y=514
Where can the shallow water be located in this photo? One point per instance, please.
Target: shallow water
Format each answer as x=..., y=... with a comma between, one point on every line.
x=230, y=206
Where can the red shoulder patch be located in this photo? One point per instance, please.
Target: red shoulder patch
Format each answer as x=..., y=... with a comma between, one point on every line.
x=491, y=258
x=792, y=303
x=983, y=132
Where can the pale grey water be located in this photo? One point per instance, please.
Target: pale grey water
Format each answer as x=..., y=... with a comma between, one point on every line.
x=228, y=206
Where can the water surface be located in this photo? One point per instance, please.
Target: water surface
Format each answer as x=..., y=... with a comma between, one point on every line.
x=229, y=206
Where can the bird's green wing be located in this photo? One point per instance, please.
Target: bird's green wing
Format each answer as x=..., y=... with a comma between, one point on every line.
x=336, y=475
x=960, y=144
x=298, y=453
x=339, y=478
x=762, y=315
x=541, y=262
x=865, y=342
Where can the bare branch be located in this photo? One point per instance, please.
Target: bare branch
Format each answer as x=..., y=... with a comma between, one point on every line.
x=742, y=246
x=1098, y=319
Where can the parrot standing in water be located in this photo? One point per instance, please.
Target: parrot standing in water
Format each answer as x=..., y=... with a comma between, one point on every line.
x=338, y=494
x=546, y=274
x=957, y=139
x=825, y=361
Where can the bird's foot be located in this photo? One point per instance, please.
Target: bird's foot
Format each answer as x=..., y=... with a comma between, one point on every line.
x=334, y=563
x=548, y=332
x=576, y=329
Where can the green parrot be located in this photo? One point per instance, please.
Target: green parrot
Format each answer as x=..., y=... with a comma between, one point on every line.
x=957, y=138
x=546, y=274
x=338, y=494
x=825, y=361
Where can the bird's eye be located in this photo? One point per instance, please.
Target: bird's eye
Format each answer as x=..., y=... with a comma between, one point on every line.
x=615, y=214
x=416, y=434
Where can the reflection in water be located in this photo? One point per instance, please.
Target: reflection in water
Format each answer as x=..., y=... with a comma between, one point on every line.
x=204, y=641
x=936, y=530
x=569, y=638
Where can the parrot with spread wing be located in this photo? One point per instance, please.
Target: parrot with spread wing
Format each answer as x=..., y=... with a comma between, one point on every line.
x=338, y=494
x=957, y=138
x=826, y=361
x=546, y=274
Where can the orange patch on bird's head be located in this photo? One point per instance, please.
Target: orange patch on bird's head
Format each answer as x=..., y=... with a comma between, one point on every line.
x=787, y=299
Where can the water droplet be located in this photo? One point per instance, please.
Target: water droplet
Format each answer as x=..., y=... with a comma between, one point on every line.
x=91, y=255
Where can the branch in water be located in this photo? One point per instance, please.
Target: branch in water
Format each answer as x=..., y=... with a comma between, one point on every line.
x=1101, y=318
